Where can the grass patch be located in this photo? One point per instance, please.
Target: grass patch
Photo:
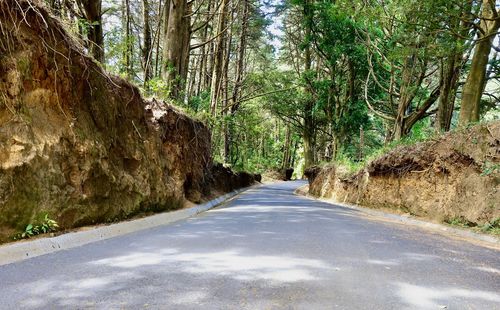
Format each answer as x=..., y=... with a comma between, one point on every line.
x=492, y=227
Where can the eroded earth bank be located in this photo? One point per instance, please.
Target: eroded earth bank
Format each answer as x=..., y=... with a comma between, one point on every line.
x=453, y=179
x=84, y=146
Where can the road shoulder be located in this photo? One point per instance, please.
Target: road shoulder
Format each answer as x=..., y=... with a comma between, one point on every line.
x=18, y=251
x=448, y=231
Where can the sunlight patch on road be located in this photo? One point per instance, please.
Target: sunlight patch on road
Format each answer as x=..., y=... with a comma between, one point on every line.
x=193, y=297
x=403, y=260
x=488, y=269
x=382, y=262
x=231, y=263
x=68, y=293
x=133, y=260
x=420, y=257
x=420, y=297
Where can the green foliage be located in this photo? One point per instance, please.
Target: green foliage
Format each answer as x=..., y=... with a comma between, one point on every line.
x=490, y=168
x=199, y=103
x=85, y=26
x=159, y=88
x=492, y=227
x=459, y=221
x=45, y=225
x=258, y=139
x=375, y=147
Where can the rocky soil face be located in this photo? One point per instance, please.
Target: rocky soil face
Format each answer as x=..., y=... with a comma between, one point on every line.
x=81, y=145
x=454, y=178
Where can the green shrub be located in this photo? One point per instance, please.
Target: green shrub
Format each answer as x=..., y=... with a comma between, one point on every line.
x=46, y=225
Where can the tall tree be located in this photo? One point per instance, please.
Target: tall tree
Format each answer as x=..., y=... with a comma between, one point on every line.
x=176, y=45
x=127, y=39
x=476, y=79
x=215, y=88
x=147, y=44
x=308, y=129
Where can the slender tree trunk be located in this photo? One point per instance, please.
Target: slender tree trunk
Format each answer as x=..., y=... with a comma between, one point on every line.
x=308, y=128
x=202, y=72
x=476, y=80
x=218, y=59
x=405, y=99
x=146, y=49
x=228, y=112
x=166, y=14
x=186, y=31
x=449, y=78
x=241, y=57
x=361, y=153
x=157, y=38
x=287, y=148
x=192, y=80
x=238, y=78
x=127, y=53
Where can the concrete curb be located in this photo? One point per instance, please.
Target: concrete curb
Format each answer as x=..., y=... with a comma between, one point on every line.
x=15, y=252
x=408, y=220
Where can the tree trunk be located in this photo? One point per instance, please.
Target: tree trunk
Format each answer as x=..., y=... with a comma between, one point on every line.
x=405, y=99
x=146, y=49
x=177, y=36
x=218, y=59
x=449, y=79
x=241, y=57
x=228, y=111
x=202, y=72
x=156, y=42
x=476, y=80
x=93, y=16
x=287, y=148
x=451, y=69
x=308, y=138
x=127, y=53
x=308, y=128
x=361, y=153
x=186, y=36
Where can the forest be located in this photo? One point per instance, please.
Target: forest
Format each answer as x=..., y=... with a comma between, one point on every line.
x=294, y=83
x=158, y=150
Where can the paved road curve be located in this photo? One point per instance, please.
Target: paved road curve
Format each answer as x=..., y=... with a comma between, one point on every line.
x=267, y=249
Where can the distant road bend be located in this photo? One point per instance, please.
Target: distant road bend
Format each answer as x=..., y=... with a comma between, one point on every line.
x=266, y=249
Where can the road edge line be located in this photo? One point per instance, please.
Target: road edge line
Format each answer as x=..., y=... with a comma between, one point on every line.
x=15, y=252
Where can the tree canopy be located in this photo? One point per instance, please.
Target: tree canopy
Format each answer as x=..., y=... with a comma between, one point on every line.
x=292, y=83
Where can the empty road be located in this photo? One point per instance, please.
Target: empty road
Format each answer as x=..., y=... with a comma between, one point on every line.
x=266, y=249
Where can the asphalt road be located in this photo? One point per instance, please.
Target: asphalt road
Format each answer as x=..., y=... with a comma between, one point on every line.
x=266, y=249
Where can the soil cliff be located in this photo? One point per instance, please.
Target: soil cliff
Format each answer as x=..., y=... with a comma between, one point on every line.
x=454, y=178
x=79, y=144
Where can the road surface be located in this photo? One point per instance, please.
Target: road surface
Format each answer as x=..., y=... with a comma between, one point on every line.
x=266, y=249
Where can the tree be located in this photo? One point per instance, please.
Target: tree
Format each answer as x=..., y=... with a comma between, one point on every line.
x=92, y=10
x=476, y=79
x=176, y=45
x=147, y=45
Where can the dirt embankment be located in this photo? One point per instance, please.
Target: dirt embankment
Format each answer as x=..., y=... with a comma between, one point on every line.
x=453, y=179
x=278, y=175
x=80, y=144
